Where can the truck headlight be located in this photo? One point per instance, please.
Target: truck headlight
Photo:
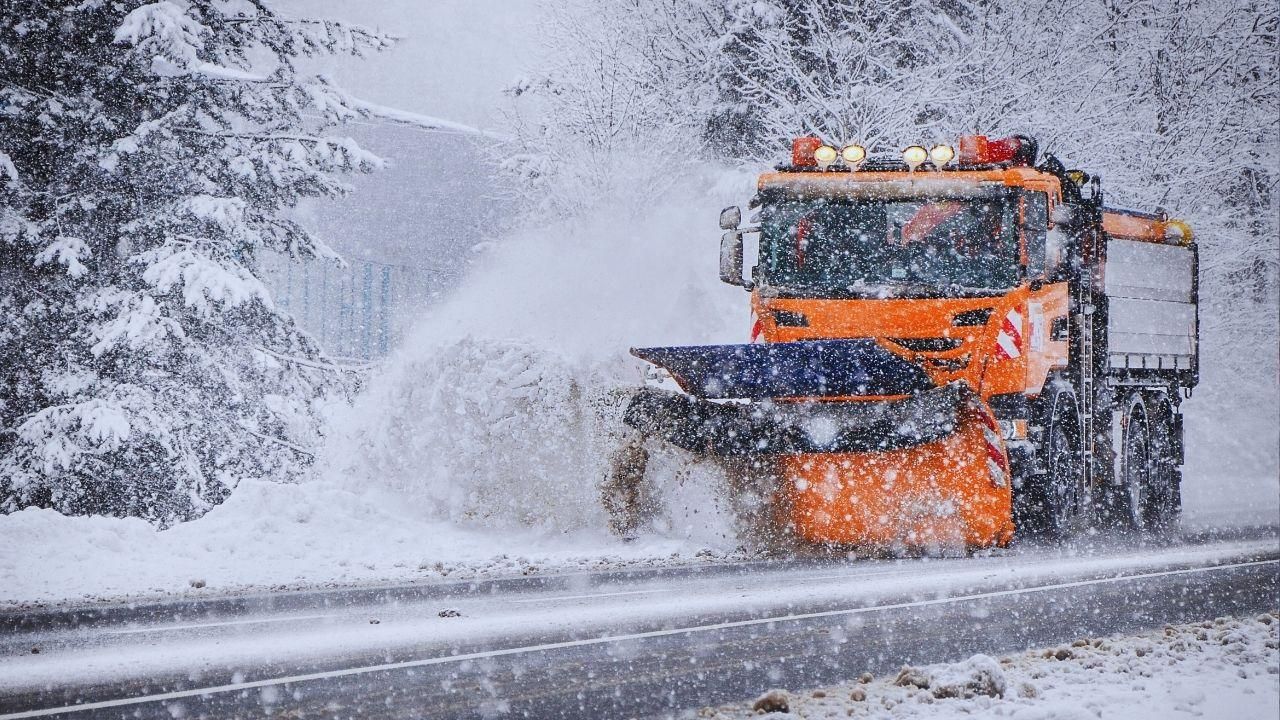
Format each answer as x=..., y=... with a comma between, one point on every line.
x=825, y=155
x=915, y=156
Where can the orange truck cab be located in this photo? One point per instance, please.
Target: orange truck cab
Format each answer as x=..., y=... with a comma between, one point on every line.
x=1015, y=379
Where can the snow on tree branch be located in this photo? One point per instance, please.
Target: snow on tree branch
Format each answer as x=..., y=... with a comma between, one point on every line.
x=337, y=104
x=68, y=252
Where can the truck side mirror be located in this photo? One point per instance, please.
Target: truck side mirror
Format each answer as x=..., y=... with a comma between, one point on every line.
x=730, y=218
x=731, y=259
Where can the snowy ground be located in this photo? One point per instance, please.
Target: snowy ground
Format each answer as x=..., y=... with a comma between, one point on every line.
x=1223, y=668
x=273, y=536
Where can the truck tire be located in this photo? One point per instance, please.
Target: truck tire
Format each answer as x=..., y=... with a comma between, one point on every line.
x=760, y=509
x=1148, y=481
x=1167, y=497
x=1067, y=501
x=1029, y=512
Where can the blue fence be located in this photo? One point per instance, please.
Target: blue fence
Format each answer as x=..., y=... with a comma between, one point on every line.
x=349, y=310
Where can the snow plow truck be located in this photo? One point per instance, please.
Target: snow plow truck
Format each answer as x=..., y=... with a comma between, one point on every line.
x=951, y=348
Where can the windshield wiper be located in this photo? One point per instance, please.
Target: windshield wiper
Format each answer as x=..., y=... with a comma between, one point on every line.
x=918, y=289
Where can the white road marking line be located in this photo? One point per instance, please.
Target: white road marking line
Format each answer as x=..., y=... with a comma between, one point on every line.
x=196, y=626
x=329, y=674
x=596, y=595
x=882, y=572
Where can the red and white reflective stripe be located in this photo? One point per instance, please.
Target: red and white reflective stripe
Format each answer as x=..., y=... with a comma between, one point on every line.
x=755, y=328
x=1009, y=341
x=997, y=462
x=997, y=475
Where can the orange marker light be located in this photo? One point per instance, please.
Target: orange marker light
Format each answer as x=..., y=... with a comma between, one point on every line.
x=802, y=149
x=979, y=150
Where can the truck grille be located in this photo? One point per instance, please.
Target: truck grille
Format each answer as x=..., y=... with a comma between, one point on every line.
x=928, y=344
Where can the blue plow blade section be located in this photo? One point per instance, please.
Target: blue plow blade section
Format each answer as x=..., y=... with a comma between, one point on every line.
x=808, y=368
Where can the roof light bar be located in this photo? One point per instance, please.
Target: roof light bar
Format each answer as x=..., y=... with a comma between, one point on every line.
x=811, y=152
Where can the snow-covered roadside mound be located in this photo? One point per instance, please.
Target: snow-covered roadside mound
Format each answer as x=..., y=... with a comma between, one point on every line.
x=272, y=535
x=1225, y=668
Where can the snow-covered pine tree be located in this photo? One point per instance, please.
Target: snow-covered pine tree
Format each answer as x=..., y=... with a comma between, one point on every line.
x=148, y=153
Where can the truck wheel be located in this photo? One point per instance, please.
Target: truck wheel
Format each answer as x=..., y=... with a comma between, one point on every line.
x=1067, y=501
x=1147, y=470
x=761, y=511
x=1029, y=513
x=1136, y=464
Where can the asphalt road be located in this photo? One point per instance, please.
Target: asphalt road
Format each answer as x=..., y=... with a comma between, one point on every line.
x=656, y=643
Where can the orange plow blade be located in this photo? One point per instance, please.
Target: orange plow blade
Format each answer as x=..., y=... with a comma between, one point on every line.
x=949, y=492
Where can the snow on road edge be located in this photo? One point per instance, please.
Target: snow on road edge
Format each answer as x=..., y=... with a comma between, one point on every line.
x=272, y=536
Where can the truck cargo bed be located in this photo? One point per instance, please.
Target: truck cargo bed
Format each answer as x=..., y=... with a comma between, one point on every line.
x=1152, y=316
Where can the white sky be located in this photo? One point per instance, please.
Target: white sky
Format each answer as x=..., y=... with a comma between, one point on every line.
x=453, y=61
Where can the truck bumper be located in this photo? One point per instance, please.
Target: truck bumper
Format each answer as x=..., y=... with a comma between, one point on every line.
x=950, y=492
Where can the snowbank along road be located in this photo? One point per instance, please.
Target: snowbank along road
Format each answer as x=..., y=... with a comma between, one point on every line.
x=1220, y=668
x=644, y=644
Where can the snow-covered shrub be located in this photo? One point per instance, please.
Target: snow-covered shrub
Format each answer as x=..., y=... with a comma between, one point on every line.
x=489, y=432
x=148, y=152
x=979, y=675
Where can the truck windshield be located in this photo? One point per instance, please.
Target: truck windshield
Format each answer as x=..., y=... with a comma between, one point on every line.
x=826, y=247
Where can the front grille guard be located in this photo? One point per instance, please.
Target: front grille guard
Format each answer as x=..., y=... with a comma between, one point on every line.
x=765, y=427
